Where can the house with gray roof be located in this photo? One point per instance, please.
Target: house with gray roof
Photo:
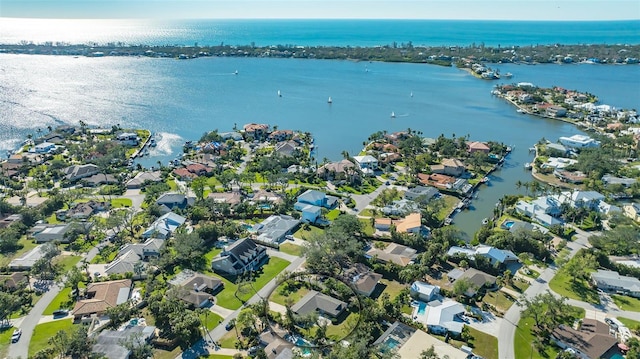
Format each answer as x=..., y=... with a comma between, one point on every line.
x=59, y=233
x=123, y=264
x=627, y=182
x=478, y=279
x=26, y=261
x=421, y=193
x=197, y=289
x=144, y=177
x=240, y=257
x=147, y=250
x=76, y=172
x=362, y=279
x=274, y=229
x=614, y=282
x=169, y=201
x=109, y=343
x=311, y=202
x=164, y=226
x=321, y=303
x=424, y=291
x=393, y=253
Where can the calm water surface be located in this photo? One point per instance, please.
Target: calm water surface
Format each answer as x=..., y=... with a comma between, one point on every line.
x=182, y=99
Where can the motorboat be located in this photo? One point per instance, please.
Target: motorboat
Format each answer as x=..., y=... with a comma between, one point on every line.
x=329, y=100
x=393, y=114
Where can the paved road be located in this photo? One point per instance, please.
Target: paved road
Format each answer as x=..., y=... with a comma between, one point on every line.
x=202, y=347
x=29, y=322
x=507, y=332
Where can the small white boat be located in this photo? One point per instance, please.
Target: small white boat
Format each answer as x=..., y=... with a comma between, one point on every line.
x=508, y=75
x=485, y=180
x=279, y=94
x=521, y=110
x=235, y=73
x=411, y=94
x=485, y=221
x=527, y=166
x=393, y=114
x=329, y=100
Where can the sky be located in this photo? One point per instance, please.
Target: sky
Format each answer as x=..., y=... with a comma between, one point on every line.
x=326, y=9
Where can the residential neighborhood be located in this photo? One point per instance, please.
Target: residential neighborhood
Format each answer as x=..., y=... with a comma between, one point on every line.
x=248, y=246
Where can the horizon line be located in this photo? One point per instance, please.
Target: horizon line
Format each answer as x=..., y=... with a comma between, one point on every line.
x=314, y=18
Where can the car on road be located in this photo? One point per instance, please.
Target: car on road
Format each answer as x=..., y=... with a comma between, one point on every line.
x=229, y=326
x=16, y=335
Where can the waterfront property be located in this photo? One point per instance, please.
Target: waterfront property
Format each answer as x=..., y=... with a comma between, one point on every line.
x=368, y=164
x=421, y=193
x=578, y=141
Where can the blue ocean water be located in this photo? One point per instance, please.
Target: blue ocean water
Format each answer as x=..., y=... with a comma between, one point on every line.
x=320, y=32
x=180, y=100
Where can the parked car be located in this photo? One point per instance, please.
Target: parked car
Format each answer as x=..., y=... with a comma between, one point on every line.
x=60, y=313
x=16, y=335
x=229, y=326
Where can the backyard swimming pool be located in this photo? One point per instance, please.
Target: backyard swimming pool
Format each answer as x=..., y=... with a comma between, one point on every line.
x=508, y=224
x=422, y=307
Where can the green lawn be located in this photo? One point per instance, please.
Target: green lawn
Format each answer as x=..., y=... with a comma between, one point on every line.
x=523, y=343
x=211, y=254
x=227, y=299
x=340, y=331
x=218, y=356
x=5, y=341
x=579, y=290
x=210, y=319
x=290, y=248
x=499, y=300
x=367, y=227
x=367, y=212
x=276, y=297
x=627, y=303
x=121, y=202
x=172, y=184
x=483, y=344
x=44, y=331
x=67, y=262
x=629, y=323
x=165, y=354
x=333, y=214
x=58, y=301
x=450, y=202
x=228, y=340
x=304, y=234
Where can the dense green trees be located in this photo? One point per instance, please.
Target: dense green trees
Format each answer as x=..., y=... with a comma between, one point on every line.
x=547, y=312
x=621, y=240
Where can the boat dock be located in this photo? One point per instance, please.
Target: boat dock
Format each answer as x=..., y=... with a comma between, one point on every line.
x=145, y=147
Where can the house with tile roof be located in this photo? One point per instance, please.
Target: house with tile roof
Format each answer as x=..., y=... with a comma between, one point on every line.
x=476, y=146
x=101, y=296
x=449, y=166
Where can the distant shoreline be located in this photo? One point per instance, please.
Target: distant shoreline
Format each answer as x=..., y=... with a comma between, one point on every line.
x=405, y=53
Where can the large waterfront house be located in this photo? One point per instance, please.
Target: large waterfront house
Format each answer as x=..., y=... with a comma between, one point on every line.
x=421, y=193
x=494, y=255
x=614, y=282
x=449, y=166
x=544, y=210
x=101, y=296
x=318, y=302
x=400, y=207
x=367, y=163
x=412, y=223
x=240, y=257
x=476, y=146
x=256, y=131
x=578, y=141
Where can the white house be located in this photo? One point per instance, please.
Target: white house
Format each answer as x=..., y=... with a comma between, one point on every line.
x=164, y=226
x=424, y=291
x=128, y=138
x=579, y=141
x=444, y=317
x=368, y=164
x=44, y=147
x=614, y=282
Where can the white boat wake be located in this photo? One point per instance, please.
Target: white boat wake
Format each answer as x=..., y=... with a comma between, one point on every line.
x=165, y=142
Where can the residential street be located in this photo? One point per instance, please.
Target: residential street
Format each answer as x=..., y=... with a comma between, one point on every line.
x=218, y=332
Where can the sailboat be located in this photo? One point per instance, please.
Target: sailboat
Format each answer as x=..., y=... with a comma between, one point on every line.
x=329, y=100
x=393, y=114
x=235, y=73
x=279, y=94
x=411, y=94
